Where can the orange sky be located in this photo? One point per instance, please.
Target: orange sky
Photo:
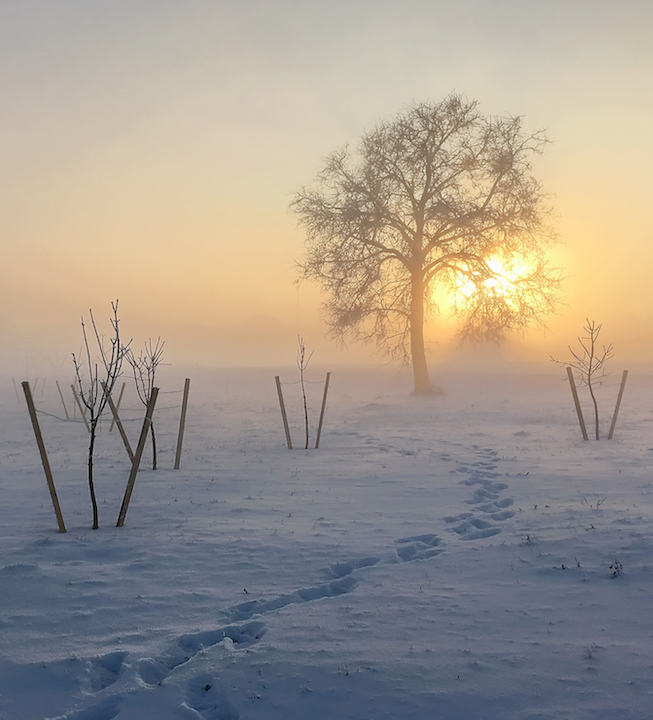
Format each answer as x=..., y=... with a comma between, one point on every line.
x=150, y=151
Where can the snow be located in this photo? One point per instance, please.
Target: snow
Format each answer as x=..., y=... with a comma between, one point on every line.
x=465, y=555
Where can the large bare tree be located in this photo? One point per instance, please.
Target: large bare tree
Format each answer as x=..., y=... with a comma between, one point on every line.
x=439, y=197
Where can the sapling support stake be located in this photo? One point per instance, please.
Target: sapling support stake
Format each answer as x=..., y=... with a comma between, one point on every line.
x=137, y=457
x=81, y=408
x=44, y=456
x=324, y=399
x=182, y=423
x=122, y=390
x=65, y=409
x=284, y=417
x=144, y=368
x=618, y=405
x=118, y=422
x=579, y=412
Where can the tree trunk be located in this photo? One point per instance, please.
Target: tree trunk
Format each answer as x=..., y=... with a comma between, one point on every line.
x=153, y=446
x=91, y=485
x=421, y=382
x=596, y=408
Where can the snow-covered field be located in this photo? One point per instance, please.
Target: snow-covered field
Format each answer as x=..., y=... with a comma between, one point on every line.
x=462, y=556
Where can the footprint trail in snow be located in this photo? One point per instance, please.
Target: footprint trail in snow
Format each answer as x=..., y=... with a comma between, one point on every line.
x=487, y=505
x=203, y=698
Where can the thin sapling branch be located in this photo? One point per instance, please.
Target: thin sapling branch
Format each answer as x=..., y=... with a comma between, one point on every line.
x=302, y=364
x=144, y=368
x=95, y=383
x=589, y=364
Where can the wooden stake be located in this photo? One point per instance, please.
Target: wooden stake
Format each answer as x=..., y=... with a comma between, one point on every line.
x=65, y=409
x=616, y=408
x=81, y=407
x=182, y=423
x=137, y=457
x=121, y=429
x=44, y=456
x=283, y=412
x=122, y=390
x=324, y=399
x=574, y=392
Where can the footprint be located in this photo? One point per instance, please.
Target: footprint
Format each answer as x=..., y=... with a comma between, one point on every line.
x=332, y=589
x=471, y=525
x=153, y=671
x=485, y=499
x=482, y=534
x=204, y=699
x=342, y=569
x=456, y=518
x=419, y=547
x=244, y=611
x=481, y=495
x=105, y=670
x=428, y=539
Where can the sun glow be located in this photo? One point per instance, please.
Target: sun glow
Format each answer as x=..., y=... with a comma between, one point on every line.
x=502, y=278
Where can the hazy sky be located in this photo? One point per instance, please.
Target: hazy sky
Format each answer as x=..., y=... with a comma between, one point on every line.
x=150, y=149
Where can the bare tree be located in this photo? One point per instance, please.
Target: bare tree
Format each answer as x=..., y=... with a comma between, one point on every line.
x=95, y=383
x=144, y=368
x=440, y=196
x=589, y=364
x=302, y=364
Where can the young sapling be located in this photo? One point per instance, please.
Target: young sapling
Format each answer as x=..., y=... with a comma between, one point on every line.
x=95, y=380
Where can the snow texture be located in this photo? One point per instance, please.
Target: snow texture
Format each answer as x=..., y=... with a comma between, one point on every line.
x=462, y=556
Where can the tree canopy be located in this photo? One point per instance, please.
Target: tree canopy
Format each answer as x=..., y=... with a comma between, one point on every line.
x=438, y=197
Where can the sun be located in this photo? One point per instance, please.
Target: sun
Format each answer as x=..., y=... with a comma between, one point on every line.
x=505, y=276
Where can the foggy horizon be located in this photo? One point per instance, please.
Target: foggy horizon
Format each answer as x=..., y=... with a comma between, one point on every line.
x=151, y=153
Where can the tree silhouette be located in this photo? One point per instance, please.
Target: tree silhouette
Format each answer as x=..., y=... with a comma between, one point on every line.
x=438, y=197
x=589, y=364
x=95, y=384
x=144, y=368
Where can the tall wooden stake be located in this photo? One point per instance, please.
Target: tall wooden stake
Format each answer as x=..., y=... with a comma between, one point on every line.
x=81, y=407
x=617, y=406
x=324, y=399
x=283, y=412
x=137, y=457
x=579, y=412
x=121, y=429
x=44, y=456
x=182, y=423
x=65, y=409
x=122, y=390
